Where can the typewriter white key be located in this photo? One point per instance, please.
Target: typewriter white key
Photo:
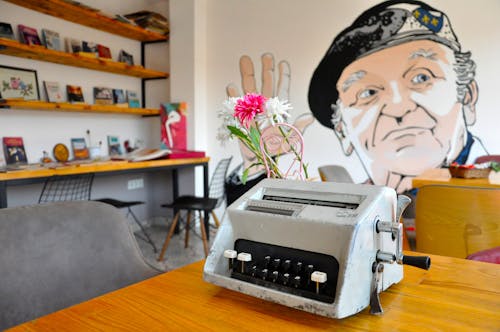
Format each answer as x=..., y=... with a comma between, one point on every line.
x=319, y=278
x=230, y=254
x=244, y=257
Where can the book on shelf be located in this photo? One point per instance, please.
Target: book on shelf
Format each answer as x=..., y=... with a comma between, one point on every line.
x=126, y=58
x=51, y=39
x=114, y=148
x=181, y=154
x=6, y=31
x=90, y=47
x=14, y=151
x=150, y=21
x=173, y=125
x=133, y=99
x=103, y=51
x=53, y=91
x=143, y=155
x=119, y=98
x=80, y=149
x=75, y=94
x=28, y=35
x=103, y=96
x=73, y=45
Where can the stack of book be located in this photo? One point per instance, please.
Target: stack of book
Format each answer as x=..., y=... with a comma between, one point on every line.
x=150, y=21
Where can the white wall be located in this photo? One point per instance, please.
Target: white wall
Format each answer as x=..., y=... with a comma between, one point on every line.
x=301, y=31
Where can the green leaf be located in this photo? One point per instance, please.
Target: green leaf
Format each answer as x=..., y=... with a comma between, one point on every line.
x=255, y=137
x=238, y=133
x=244, y=176
x=495, y=166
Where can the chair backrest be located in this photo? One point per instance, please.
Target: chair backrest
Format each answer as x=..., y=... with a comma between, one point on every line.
x=216, y=188
x=457, y=221
x=58, y=254
x=334, y=173
x=487, y=158
x=76, y=187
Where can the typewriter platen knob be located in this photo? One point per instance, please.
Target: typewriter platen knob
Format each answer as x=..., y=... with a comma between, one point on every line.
x=319, y=278
x=244, y=257
x=230, y=255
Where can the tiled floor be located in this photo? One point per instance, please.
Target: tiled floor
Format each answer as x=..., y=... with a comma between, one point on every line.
x=176, y=255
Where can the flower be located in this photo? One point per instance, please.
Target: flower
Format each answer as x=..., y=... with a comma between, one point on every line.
x=248, y=117
x=248, y=107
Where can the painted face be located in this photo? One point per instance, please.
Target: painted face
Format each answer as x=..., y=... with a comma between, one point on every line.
x=400, y=108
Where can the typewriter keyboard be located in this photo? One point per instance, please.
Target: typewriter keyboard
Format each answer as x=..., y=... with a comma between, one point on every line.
x=299, y=272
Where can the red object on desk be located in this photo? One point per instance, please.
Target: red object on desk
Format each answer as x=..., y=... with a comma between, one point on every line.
x=181, y=154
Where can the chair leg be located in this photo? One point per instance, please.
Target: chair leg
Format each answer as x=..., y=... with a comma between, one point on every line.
x=148, y=239
x=186, y=240
x=169, y=235
x=203, y=233
x=217, y=223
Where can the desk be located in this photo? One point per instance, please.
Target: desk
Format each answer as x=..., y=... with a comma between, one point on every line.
x=39, y=174
x=454, y=295
x=442, y=176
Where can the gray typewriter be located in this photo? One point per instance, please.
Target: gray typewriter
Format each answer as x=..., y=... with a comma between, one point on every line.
x=323, y=247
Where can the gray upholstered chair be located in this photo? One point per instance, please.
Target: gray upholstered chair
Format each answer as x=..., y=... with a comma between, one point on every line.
x=58, y=254
x=334, y=173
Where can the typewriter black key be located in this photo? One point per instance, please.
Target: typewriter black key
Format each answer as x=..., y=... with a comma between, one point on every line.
x=253, y=271
x=309, y=271
x=296, y=281
x=267, y=259
x=276, y=263
x=298, y=268
x=286, y=278
x=263, y=274
x=286, y=265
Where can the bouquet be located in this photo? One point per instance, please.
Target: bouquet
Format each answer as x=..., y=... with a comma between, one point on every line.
x=260, y=124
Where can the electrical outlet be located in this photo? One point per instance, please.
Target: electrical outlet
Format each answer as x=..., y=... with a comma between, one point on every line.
x=135, y=184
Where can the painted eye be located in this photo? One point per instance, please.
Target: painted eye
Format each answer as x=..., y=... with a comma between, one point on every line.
x=367, y=93
x=420, y=78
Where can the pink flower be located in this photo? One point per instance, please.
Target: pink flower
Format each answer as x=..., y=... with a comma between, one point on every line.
x=248, y=107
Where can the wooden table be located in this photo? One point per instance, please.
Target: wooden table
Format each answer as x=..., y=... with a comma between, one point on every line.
x=35, y=174
x=454, y=295
x=442, y=176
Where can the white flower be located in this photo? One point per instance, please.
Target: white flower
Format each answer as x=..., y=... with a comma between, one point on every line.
x=276, y=112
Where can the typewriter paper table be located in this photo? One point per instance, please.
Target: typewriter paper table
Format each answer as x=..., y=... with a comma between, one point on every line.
x=454, y=295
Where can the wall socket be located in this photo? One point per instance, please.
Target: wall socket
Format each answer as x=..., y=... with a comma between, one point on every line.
x=135, y=184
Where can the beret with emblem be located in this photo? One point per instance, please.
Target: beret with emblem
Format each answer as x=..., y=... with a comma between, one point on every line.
x=385, y=25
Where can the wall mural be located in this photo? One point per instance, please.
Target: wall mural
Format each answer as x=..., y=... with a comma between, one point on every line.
x=396, y=89
x=398, y=92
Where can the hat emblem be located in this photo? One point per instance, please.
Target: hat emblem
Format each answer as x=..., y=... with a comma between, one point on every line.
x=431, y=22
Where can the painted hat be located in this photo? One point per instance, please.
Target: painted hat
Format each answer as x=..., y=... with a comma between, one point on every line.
x=385, y=25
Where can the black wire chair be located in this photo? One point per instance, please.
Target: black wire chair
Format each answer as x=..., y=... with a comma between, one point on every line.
x=67, y=188
x=199, y=204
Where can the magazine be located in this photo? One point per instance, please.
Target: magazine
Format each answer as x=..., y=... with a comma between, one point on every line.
x=53, y=91
x=103, y=96
x=114, y=148
x=6, y=31
x=28, y=35
x=173, y=125
x=80, y=150
x=75, y=94
x=144, y=154
x=133, y=99
x=52, y=39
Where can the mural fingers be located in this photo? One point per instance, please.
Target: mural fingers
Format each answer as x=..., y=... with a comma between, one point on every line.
x=232, y=90
x=247, y=75
x=267, y=75
x=284, y=78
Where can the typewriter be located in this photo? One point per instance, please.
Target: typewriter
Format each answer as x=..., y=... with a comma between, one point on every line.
x=322, y=247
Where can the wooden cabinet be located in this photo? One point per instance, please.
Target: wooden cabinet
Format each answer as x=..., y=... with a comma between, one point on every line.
x=93, y=19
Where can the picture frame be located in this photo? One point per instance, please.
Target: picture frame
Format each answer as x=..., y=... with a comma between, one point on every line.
x=19, y=83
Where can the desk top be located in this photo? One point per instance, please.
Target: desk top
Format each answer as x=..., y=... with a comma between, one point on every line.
x=454, y=295
x=442, y=176
x=96, y=167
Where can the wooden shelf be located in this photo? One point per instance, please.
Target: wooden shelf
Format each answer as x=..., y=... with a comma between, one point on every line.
x=90, y=18
x=36, y=105
x=37, y=52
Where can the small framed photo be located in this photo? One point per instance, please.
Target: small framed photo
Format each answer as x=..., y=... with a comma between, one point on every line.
x=19, y=83
x=126, y=58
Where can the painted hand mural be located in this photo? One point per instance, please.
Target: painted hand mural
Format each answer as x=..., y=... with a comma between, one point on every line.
x=268, y=89
x=398, y=92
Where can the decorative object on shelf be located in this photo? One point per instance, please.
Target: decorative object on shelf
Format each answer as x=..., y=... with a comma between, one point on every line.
x=73, y=45
x=119, y=98
x=173, y=125
x=126, y=58
x=28, y=35
x=46, y=158
x=51, y=39
x=53, y=91
x=19, y=83
x=14, y=151
x=60, y=152
x=472, y=171
x=259, y=123
x=6, y=31
x=133, y=99
x=75, y=94
x=80, y=150
x=103, y=96
x=90, y=47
